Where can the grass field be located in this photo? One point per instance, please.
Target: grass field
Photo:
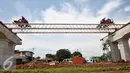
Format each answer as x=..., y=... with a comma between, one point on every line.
x=67, y=70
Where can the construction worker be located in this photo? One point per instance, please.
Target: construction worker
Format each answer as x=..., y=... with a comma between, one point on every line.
x=23, y=20
x=102, y=21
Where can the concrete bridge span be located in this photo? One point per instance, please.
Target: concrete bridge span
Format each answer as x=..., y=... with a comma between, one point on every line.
x=118, y=42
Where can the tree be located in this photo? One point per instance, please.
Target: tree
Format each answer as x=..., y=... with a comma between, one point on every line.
x=49, y=56
x=105, y=48
x=38, y=58
x=106, y=55
x=95, y=59
x=63, y=54
x=53, y=56
x=109, y=57
x=76, y=53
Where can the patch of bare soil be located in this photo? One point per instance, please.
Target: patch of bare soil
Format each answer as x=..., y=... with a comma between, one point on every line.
x=60, y=65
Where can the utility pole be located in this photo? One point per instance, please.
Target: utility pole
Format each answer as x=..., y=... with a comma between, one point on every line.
x=33, y=52
x=33, y=49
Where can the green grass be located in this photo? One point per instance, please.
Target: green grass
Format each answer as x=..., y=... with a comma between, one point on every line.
x=65, y=70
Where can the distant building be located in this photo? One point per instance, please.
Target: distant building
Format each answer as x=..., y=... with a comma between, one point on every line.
x=45, y=60
x=23, y=56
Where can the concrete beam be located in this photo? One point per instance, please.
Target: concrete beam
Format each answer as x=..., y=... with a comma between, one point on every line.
x=10, y=35
x=121, y=33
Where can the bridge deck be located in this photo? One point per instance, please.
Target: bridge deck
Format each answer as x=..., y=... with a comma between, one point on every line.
x=62, y=28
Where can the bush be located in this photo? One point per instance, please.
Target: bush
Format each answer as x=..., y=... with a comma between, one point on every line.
x=124, y=68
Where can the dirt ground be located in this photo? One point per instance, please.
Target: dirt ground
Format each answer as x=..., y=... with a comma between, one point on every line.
x=60, y=65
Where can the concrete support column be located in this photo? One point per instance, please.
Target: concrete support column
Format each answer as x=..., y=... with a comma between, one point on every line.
x=6, y=51
x=115, y=52
x=124, y=48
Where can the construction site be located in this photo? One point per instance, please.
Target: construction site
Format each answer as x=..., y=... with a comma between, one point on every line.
x=64, y=36
x=118, y=34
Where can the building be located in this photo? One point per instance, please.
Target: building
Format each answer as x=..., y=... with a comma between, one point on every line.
x=23, y=56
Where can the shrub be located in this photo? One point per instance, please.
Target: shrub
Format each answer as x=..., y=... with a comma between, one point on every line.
x=124, y=68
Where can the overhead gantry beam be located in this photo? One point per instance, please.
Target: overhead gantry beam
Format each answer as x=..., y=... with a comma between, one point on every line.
x=62, y=28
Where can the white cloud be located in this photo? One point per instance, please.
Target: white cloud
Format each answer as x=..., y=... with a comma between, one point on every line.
x=14, y=18
x=127, y=8
x=22, y=10
x=37, y=21
x=80, y=1
x=110, y=6
x=69, y=14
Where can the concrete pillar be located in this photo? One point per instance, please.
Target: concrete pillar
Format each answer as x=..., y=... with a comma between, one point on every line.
x=124, y=48
x=115, y=52
x=6, y=51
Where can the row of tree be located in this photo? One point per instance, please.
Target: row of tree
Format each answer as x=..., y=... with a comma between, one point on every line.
x=106, y=54
x=63, y=54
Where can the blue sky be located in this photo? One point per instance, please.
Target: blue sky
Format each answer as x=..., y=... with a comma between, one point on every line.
x=64, y=11
x=12, y=8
